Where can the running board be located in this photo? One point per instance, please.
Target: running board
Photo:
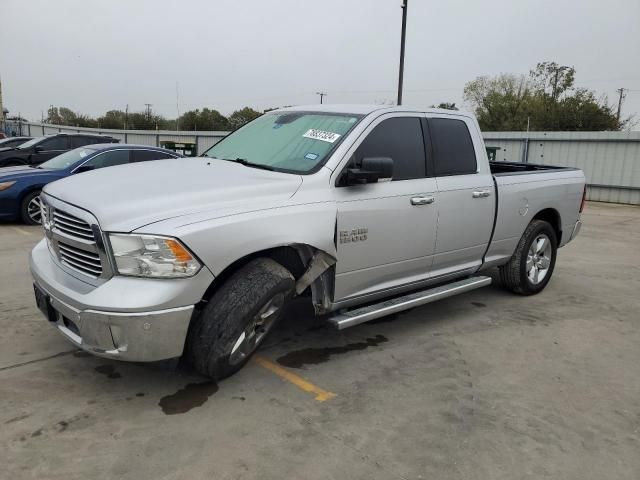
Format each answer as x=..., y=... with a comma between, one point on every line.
x=398, y=304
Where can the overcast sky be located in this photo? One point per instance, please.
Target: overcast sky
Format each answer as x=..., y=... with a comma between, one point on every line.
x=95, y=56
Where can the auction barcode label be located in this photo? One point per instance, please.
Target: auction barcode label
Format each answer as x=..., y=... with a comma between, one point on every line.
x=321, y=135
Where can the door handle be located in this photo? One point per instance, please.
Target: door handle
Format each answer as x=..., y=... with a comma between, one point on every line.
x=422, y=200
x=481, y=193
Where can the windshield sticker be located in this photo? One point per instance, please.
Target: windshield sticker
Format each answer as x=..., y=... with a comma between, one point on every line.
x=311, y=156
x=321, y=135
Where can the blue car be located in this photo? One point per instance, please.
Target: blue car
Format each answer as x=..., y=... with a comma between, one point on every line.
x=20, y=186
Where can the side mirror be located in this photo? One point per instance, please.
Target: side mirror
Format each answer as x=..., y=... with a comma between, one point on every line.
x=371, y=170
x=85, y=168
x=38, y=149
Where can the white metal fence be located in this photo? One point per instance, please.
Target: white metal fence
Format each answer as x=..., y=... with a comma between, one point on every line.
x=610, y=160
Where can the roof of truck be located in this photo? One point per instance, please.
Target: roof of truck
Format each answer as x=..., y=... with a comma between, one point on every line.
x=363, y=109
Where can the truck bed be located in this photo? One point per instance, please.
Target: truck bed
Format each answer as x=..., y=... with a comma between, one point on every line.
x=516, y=168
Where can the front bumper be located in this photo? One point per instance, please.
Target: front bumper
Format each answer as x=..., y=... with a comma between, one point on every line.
x=125, y=318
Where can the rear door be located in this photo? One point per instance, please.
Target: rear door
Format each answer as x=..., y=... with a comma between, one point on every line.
x=386, y=231
x=466, y=200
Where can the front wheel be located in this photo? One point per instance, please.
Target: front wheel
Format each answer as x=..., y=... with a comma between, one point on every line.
x=238, y=317
x=531, y=266
x=30, y=209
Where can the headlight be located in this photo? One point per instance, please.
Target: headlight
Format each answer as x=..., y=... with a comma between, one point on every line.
x=150, y=256
x=5, y=185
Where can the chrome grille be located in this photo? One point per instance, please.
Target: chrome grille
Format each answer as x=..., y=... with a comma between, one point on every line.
x=71, y=225
x=74, y=239
x=81, y=260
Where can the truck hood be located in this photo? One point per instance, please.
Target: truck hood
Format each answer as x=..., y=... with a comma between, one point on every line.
x=128, y=197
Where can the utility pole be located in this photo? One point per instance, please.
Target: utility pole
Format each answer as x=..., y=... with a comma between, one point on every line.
x=402, y=37
x=620, y=99
x=126, y=116
x=177, y=108
x=148, y=111
x=322, y=94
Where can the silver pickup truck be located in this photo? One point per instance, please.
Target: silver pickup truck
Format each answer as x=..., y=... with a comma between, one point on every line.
x=364, y=210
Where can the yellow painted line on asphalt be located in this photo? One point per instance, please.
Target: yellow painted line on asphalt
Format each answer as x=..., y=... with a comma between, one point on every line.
x=22, y=231
x=301, y=383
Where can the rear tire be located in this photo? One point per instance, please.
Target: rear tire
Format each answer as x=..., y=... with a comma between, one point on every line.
x=238, y=317
x=30, y=208
x=531, y=266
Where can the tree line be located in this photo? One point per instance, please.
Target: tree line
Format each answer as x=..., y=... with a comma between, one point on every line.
x=546, y=99
x=205, y=119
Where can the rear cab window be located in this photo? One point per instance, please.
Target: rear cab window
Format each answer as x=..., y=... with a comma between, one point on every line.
x=453, y=151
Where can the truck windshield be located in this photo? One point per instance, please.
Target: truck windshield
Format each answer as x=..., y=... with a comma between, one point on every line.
x=67, y=159
x=294, y=142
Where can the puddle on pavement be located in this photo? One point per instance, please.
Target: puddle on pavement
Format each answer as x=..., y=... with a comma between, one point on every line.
x=314, y=356
x=190, y=396
x=108, y=370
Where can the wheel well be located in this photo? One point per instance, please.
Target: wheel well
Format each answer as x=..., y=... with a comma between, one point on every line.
x=551, y=216
x=33, y=188
x=287, y=256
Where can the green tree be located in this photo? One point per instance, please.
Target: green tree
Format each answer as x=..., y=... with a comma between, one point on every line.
x=113, y=119
x=445, y=106
x=240, y=117
x=545, y=100
x=500, y=103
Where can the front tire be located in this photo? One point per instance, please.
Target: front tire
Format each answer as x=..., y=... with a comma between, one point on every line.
x=30, y=212
x=238, y=317
x=531, y=266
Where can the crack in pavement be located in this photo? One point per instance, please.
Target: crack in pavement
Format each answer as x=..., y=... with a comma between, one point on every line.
x=55, y=355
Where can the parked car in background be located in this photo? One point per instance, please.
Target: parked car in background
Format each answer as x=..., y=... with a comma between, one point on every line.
x=40, y=149
x=13, y=141
x=20, y=186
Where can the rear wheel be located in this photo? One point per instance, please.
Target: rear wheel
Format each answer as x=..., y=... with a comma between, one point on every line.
x=238, y=317
x=531, y=266
x=30, y=211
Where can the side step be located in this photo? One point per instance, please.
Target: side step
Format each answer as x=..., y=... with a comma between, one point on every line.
x=398, y=304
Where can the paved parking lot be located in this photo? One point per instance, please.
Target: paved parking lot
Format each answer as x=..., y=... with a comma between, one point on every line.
x=487, y=385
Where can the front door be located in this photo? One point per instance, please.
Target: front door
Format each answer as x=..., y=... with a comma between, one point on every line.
x=386, y=231
x=49, y=148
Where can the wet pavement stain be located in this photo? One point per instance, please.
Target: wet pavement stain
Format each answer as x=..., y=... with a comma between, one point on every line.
x=108, y=370
x=81, y=354
x=139, y=394
x=314, y=356
x=478, y=304
x=190, y=396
